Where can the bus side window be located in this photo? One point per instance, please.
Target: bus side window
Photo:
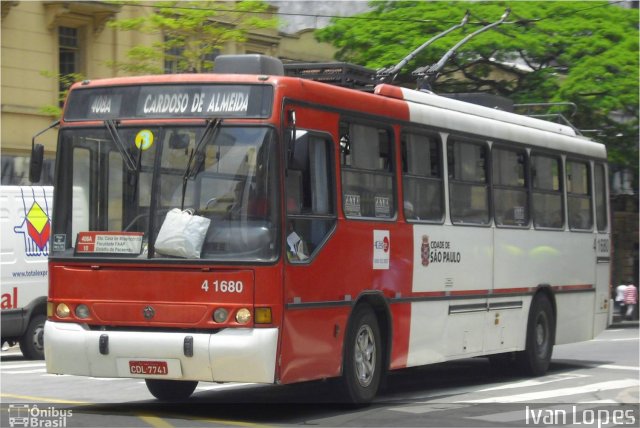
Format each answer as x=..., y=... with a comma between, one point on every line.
x=601, y=198
x=579, y=195
x=510, y=196
x=468, y=182
x=309, y=196
x=367, y=172
x=547, y=203
x=422, y=177
x=294, y=192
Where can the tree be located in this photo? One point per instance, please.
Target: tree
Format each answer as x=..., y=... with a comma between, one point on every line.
x=192, y=32
x=556, y=51
x=64, y=83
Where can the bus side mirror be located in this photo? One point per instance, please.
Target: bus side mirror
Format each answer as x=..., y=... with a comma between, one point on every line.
x=37, y=155
x=35, y=165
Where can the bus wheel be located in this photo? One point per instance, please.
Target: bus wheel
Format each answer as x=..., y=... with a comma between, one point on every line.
x=362, y=357
x=32, y=342
x=535, y=359
x=171, y=390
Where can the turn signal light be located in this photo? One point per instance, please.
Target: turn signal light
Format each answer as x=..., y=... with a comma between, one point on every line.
x=263, y=316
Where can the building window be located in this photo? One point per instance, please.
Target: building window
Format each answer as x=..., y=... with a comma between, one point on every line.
x=68, y=56
x=15, y=170
x=175, y=60
x=172, y=56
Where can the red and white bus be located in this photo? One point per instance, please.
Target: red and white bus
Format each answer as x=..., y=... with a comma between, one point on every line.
x=348, y=233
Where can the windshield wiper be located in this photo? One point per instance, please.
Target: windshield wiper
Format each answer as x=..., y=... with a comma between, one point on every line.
x=110, y=124
x=196, y=158
x=133, y=166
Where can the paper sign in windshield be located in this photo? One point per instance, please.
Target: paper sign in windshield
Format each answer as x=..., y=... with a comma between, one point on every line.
x=109, y=243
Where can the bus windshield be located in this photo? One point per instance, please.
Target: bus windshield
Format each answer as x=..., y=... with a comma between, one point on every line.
x=117, y=185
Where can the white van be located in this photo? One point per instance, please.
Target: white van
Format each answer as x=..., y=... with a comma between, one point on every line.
x=25, y=227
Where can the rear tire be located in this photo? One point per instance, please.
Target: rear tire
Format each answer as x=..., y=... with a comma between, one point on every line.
x=362, y=365
x=171, y=390
x=32, y=342
x=535, y=359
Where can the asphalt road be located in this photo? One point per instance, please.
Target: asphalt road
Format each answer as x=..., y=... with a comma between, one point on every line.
x=589, y=384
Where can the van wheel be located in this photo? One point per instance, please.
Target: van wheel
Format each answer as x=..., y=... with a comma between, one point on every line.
x=535, y=359
x=171, y=390
x=362, y=357
x=32, y=342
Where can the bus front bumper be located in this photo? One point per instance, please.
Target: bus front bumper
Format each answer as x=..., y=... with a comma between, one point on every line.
x=230, y=355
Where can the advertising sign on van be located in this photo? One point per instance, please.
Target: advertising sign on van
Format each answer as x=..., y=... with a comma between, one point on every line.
x=25, y=223
x=35, y=226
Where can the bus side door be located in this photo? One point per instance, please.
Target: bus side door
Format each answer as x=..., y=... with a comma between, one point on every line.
x=314, y=285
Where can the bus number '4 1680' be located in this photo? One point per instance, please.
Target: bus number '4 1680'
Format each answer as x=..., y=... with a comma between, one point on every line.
x=223, y=286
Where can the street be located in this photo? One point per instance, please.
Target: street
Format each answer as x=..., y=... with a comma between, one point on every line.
x=592, y=383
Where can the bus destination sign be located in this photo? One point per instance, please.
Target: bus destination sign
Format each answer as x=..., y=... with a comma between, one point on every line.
x=169, y=101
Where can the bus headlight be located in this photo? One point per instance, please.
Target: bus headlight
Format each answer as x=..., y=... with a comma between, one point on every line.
x=243, y=316
x=63, y=311
x=82, y=311
x=220, y=315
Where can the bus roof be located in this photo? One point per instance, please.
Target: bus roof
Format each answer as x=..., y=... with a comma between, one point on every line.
x=396, y=103
x=431, y=99
x=459, y=116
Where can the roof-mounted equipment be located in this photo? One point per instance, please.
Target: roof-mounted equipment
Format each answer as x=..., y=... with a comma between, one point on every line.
x=427, y=75
x=545, y=111
x=334, y=73
x=248, y=64
x=388, y=75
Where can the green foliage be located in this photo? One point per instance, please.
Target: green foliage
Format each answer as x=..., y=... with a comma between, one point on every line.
x=582, y=52
x=64, y=82
x=192, y=32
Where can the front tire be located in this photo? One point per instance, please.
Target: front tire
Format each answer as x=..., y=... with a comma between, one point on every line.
x=171, y=390
x=362, y=363
x=32, y=342
x=535, y=359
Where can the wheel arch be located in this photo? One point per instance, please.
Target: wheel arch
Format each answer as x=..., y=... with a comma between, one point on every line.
x=380, y=305
x=37, y=306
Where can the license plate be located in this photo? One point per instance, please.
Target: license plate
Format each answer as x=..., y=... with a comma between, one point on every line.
x=169, y=368
x=156, y=368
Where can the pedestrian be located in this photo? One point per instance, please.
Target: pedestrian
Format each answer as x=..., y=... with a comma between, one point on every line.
x=619, y=302
x=630, y=300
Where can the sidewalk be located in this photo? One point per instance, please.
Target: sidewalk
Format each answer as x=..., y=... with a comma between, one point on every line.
x=620, y=322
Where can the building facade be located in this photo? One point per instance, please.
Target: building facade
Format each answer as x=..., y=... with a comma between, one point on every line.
x=42, y=40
